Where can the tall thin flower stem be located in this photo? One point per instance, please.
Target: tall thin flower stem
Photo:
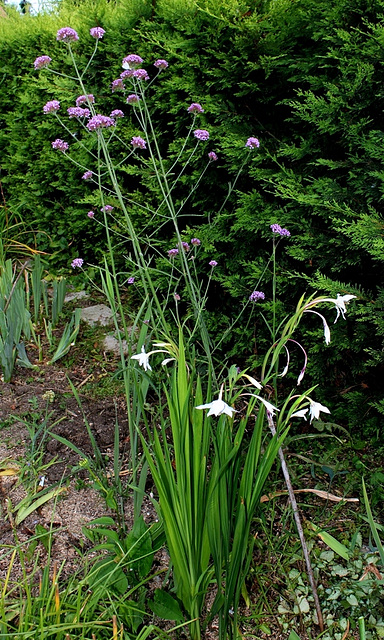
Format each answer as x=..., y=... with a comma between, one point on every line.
x=299, y=526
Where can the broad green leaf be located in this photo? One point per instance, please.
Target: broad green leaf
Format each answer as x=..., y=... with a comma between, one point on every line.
x=165, y=606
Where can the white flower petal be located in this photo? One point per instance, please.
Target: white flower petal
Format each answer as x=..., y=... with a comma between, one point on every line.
x=285, y=370
x=301, y=376
x=253, y=381
x=167, y=360
x=300, y=414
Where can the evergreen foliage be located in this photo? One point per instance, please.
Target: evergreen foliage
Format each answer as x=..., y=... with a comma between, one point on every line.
x=307, y=79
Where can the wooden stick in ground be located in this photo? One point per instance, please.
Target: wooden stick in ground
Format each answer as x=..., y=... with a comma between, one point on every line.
x=299, y=526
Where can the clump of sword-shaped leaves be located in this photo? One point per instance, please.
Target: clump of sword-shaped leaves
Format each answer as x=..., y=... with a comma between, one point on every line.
x=209, y=477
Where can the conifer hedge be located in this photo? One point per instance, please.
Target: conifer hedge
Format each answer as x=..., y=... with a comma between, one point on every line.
x=306, y=77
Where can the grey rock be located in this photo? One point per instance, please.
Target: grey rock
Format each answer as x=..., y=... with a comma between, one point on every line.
x=112, y=344
x=76, y=295
x=98, y=314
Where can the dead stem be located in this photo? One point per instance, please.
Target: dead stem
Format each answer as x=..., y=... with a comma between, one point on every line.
x=296, y=514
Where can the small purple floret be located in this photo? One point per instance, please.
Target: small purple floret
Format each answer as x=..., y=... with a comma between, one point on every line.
x=87, y=175
x=161, y=64
x=51, y=106
x=97, y=32
x=117, y=113
x=213, y=263
x=78, y=112
x=173, y=252
x=195, y=108
x=185, y=246
x=196, y=242
x=131, y=280
x=201, y=134
x=252, y=143
x=41, y=62
x=91, y=214
x=77, y=263
x=280, y=231
x=133, y=99
x=117, y=85
x=83, y=99
x=66, y=34
x=212, y=156
x=138, y=143
x=256, y=295
x=60, y=145
x=107, y=208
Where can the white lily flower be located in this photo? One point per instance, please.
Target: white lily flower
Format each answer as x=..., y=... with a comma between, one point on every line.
x=269, y=407
x=218, y=407
x=340, y=304
x=315, y=408
x=143, y=358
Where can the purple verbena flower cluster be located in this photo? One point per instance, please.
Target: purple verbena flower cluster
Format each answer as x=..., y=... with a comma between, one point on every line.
x=78, y=112
x=138, y=143
x=97, y=32
x=173, y=252
x=131, y=280
x=107, y=208
x=117, y=85
x=132, y=61
x=212, y=156
x=201, y=134
x=195, y=108
x=128, y=73
x=256, y=295
x=51, y=106
x=41, y=62
x=140, y=74
x=161, y=64
x=77, y=263
x=87, y=175
x=213, y=263
x=83, y=99
x=252, y=143
x=60, y=145
x=91, y=214
x=99, y=122
x=66, y=34
x=117, y=113
x=196, y=242
x=280, y=231
x=133, y=99
x=185, y=246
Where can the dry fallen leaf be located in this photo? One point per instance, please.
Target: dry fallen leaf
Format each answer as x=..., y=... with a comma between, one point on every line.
x=317, y=492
